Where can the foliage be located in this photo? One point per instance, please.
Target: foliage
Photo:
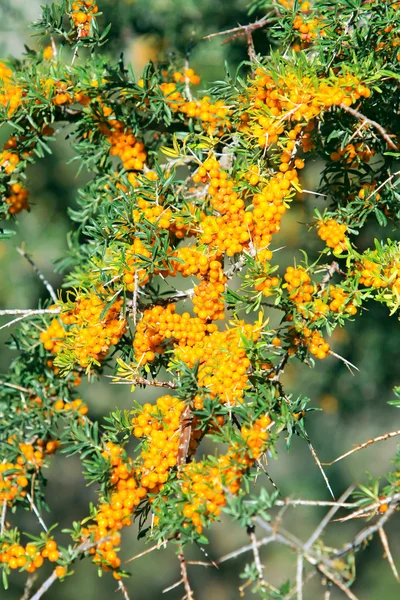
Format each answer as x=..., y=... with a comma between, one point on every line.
x=185, y=185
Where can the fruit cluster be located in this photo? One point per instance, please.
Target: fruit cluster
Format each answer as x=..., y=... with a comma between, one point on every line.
x=93, y=328
x=82, y=13
x=205, y=486
x=10, y=94
x=333, y=234
x=30, y=557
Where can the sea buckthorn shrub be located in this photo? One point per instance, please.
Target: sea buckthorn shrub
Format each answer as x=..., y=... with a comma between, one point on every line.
x=174, y=267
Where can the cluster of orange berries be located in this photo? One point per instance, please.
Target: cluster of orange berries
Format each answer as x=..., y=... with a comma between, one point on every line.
x=159, y=425
x=152, y=212
x=135, y=274
x=299, y=286
x=52, y=338
x=160, y=324
x=339, y=301
x=207, y=296
x=9, y=161
x=367, y=191
x=17, y=198
x=82, y=14
x=381, y=274
x=256, y=436
x=92, y=329
x=205, y=485
x=12, y=481
x=353, y=153
x=124, y=144
x=333, y=234
x=117, y=513
x=30, y=557
x=214, y=116
x=290, y=99
x=316, y=343
x=10, y=94
x=223, y=363
x=308, y=28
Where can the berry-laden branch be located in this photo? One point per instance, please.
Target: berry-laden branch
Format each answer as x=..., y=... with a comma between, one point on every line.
x=194, y=186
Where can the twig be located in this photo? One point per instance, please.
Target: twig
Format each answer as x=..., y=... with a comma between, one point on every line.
x=188, y=589
x=25, y=314
x=256, y=554
x=29, y=585
x=173, y=586
x=299, y=577
x=42, y=278
x=3, y=516
x=15, y=387
x=23, y=311
x=338, y=582
x=330, y=271
x=367, y=510
x=380, y=438
x=123, y=589
x=45, y=586
x=355, y=113
x=143, y=381
x=35, y=510
x=346, y=362
x=241, y=29
x=368, y=531
x=320, y=466
x=327, y=518
x=185, y=433
x=385, y=544
x=382, y=185
x=155, y=547
x=290, y=502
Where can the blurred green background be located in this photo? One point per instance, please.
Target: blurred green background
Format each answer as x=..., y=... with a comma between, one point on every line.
x=354, y=407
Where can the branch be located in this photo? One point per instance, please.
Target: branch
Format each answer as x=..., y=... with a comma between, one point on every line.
x=42, y=278
x=355, y=113
x=256, y=554
x=45, y=586
x=123, y=590
x=185, y=579
x=380, y=438
x=385, y=544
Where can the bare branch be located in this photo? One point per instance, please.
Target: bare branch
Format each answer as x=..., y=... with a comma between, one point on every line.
x=29, y=585
x=380, y=438
x=355, y=113
x=3, y=516
x=42, y=278
x=257, y=560
x=328, y=485
x=299, y=577
x=385, y=544
x=45, y=586
x=15, y=387
x=328, y=517
x=37, y=513
x=123, y=589
x=185, y=579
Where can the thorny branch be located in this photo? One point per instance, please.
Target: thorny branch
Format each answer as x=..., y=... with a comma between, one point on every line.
x=185, y=579
x=355, y=113
x=380, y=438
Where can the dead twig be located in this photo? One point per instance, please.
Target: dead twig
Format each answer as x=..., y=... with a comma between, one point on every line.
x=123, y=589
x=385, y=544
x=185, y=579
x=42, y=278
x=379, y=438
x=45, y=586
x=355, y=113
